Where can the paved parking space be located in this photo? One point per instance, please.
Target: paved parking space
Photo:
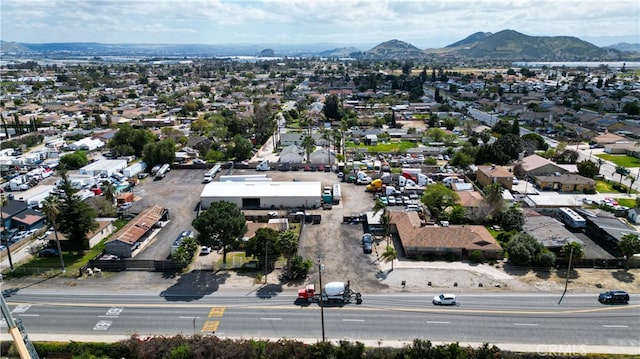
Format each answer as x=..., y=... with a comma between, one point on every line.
x=179, y=191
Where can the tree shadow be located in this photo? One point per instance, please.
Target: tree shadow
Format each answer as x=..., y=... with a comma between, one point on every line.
x=268, y=291
x=573, y=274
x=624, y=276
x=515, y=270
x=194, y=285
x=543, y=273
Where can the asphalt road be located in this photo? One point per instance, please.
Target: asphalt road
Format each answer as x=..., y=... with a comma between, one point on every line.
x=508, y=318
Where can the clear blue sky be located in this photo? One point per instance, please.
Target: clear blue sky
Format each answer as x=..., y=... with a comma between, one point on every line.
x=424, y=23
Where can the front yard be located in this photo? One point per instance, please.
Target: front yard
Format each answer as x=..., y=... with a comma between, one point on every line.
x=621, y=160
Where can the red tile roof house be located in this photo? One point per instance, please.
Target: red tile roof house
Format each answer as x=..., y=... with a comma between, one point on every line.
x=418, y=239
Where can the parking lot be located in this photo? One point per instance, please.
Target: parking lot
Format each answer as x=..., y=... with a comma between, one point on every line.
x=179, y=191
x=337, y=243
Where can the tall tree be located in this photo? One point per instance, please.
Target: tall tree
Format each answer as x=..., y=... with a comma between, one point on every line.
x=576, y=248
x=389, y=255
x=515, y=128
x=241, y=148
x=224, y=222
x=438, y=198
x=493, y=196
x=51, y=208
x=587, y=168
x=158, y=153
x=76, y=218
x=309, y=144
x=287, y=245
x=622, y=172
x=629, y=245
x=263, y=245
x=333, y=108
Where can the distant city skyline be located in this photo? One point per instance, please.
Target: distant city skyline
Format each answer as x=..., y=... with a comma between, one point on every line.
x=423, y=23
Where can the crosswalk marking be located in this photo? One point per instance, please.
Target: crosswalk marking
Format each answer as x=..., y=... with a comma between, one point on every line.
x=210, y=326
x=216, y=312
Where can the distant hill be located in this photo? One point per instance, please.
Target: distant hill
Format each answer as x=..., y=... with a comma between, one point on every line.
x=470, y=40
x=393, y=49
x=342, y=52
x=506, y=45
x=512, y=45
x=625, y=47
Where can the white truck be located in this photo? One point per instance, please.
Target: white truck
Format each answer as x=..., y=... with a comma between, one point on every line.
x=263, y=166
x=20, y=183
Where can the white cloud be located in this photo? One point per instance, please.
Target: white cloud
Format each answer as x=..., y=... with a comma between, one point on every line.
x=425, y=23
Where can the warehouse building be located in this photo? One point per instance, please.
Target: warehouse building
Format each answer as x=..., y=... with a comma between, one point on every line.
x=263, y=195
x=103, y=167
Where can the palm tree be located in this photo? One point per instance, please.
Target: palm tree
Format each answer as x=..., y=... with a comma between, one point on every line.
x=385, y=221
x=631, y=179
x=622, y=172
x=109, y=191
x=51, y=208
x=389, y=255
x=308, y=143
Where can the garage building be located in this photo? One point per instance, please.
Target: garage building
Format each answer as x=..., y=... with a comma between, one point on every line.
x=263, y=195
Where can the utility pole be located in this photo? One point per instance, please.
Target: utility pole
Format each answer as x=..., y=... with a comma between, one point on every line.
x=23, y=345
x=320, y=268
x=566, y=283
x=266, y=259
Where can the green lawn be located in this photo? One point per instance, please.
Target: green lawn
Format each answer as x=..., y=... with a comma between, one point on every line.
x=402, y=146
x=603, y=186
x=628, y=202
x=621, y=160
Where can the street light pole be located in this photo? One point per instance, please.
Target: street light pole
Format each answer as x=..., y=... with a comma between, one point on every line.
x=320, y=267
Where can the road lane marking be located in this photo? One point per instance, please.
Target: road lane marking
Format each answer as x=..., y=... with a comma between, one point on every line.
x=270, y=318
x=435, y=322
x=216, y=312
x=102, y=325
x=526, y=324
x=210, y=326
x=28, y=315
x=21, y=308
x=114, y=311
x=615, y=326
x=353, y=320
x=108, y=316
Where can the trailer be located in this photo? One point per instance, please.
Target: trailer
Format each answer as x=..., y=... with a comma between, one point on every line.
x=162, y=171
x=333, y=292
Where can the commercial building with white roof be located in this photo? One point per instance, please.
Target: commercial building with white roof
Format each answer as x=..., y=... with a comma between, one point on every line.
x=263, y=195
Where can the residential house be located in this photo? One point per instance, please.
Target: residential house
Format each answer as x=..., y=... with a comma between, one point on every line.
x=621, y=148
x=475, y=206
x=322, y=156
x=535, y=165
x=130, y=237
x=105, y=228
x=548, y=231
x=633, y=215
x=606, y=139
x=417, y=239
x=566, y=183
x=291, y=154
x=487, y=175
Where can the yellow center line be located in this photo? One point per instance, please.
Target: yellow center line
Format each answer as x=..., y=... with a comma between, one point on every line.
x=214, y=311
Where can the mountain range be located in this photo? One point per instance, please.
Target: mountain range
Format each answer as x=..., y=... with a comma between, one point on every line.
x=506, y=45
